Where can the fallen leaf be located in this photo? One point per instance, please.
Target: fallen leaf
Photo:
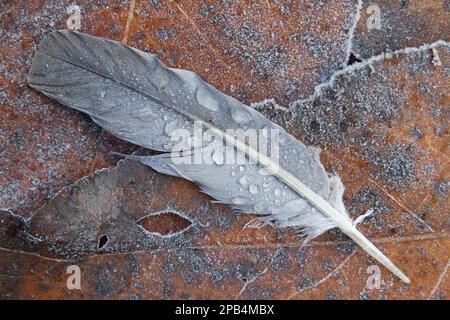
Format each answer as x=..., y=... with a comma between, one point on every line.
x=402, y=24
x=381, y=124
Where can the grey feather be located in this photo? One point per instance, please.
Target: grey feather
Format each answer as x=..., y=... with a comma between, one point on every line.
x=135, y=97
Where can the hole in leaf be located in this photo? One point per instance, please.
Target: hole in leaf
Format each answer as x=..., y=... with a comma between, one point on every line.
x=352, y=59
x=164, y=223
x=315, y=126
x=103, y=241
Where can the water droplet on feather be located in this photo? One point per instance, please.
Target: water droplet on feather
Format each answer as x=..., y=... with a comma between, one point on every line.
x=253, y=189
x=170, y=127
x=243, y=181
x=217, y=157
x=238, y=201
x=206, y=99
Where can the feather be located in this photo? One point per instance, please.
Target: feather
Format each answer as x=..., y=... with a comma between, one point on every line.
x=134, y=96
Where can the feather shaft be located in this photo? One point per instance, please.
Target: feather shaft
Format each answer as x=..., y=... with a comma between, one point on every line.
x=343, y=224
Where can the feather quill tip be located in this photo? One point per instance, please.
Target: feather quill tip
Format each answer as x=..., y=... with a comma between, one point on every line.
x=93, y=75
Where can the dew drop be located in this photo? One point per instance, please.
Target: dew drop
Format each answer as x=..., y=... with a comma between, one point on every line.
x=277, y=192
x=217, y=157
x=145, y=115
x=243, y=181
x=170, y=127
x=206, y=99
x=168, y=146
x=253, y=189
x=238, y=201
x=241, y=116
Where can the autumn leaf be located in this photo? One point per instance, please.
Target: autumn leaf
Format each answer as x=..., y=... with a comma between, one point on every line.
x=381, y=123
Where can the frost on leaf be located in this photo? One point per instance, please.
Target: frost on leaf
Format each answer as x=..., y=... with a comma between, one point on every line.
x=391, y=25
x=165, y=223
x=382, y=126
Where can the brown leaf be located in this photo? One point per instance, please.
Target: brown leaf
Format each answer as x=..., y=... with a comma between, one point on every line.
x=251, y=50
x=45, y=147
x=405, y=23
x=383, y=128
